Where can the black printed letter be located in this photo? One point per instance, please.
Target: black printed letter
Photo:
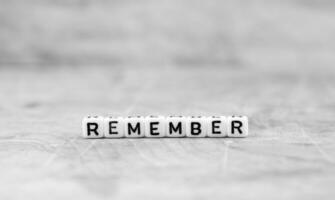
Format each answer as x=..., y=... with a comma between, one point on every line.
x=136, y=129
x=152, y=128
x=175, y=129
x=111, y=127
x=90, y=129
x=214, y=126
x=238, y=126
x=195, y=128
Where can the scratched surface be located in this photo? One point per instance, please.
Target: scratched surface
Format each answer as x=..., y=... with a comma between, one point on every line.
x=270, y=60
x=289, y=154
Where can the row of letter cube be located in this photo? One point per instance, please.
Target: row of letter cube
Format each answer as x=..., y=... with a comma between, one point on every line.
x=173, y=126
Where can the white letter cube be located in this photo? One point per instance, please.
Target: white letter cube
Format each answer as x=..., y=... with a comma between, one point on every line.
x=93, y=127
x=155, y=126
x=238, y=126
x=196, y=126
x=134, y=127
x=176, y=126
x=114, y=127
x=217, y=126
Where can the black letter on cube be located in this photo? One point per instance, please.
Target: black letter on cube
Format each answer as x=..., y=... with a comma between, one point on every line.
x=214, y=126
x=236, y=125
x=90, y=129
x=136, y=129
x=195, y=128
x=152, y=128
x=111, y=127
x=175, y=129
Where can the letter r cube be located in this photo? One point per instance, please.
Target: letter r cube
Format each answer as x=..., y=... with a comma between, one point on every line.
x=92, y=127
x=238, y=126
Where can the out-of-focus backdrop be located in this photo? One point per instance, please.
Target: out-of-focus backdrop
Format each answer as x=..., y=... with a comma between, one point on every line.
x=271, y=60
x=257, y=33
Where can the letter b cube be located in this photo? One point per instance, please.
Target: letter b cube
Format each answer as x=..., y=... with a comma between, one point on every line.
x=196, y=126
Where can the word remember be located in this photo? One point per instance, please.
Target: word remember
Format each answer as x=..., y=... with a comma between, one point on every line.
x=159, y=126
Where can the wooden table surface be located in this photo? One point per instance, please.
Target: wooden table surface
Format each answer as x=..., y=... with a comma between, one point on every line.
x=289, y=154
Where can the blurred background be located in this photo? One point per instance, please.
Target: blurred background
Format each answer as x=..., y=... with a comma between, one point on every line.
x=229, y=33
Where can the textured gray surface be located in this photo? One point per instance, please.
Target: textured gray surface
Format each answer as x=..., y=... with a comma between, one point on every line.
x=289, y=154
